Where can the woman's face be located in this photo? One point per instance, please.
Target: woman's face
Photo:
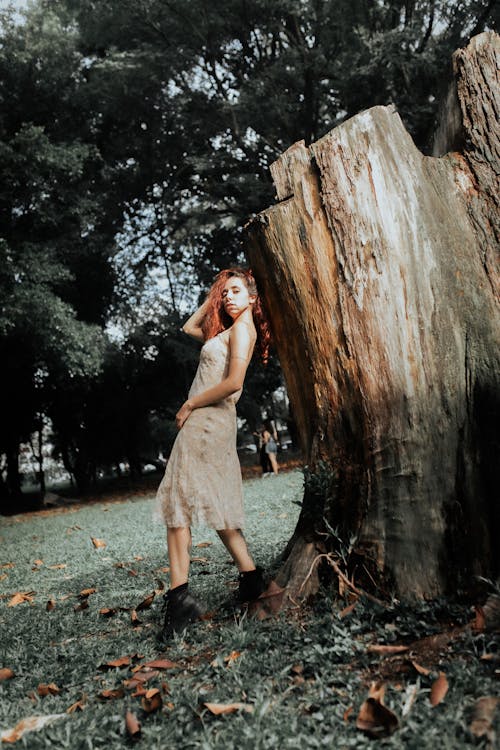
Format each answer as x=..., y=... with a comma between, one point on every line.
x=236, y=297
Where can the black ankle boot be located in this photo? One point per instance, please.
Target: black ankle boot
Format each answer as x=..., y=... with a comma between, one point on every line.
x=251, y=585
x=180, y=609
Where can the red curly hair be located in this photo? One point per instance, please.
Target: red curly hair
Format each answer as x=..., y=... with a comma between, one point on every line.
x=217, y=319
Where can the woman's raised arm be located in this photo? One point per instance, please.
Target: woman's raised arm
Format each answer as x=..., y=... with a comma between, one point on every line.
x=192, y=326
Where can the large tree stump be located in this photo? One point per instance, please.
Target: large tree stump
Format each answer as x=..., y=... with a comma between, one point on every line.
x=379, y=269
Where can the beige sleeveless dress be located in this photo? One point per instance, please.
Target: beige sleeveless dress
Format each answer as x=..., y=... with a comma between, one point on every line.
x=202, y=482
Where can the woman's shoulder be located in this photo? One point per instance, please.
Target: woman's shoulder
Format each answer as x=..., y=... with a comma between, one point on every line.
x=244, y=329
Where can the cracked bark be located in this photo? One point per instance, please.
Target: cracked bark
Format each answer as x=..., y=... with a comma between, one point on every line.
x=379, y=267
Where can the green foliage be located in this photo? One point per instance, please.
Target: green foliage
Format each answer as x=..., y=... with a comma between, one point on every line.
x=135, y=141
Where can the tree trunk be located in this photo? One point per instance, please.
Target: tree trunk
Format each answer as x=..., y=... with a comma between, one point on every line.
x=378, y=268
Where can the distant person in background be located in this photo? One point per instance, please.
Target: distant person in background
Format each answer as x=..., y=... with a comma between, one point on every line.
x=270, y=437
x=265, y=462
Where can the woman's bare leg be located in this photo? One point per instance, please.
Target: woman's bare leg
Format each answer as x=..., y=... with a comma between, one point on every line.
x=179, y=545
x=274, y=462
x=235, y=543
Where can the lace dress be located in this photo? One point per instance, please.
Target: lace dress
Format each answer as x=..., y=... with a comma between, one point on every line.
x=202, y=482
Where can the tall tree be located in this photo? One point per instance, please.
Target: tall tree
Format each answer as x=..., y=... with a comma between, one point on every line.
x=380, y=268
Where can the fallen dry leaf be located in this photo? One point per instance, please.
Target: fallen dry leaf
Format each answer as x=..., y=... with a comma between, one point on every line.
x=140, y=678
x=87, y=592
x=21, y=596
x=161, y=664
x=3, y=576
x=479, y=622
x=439, y=689
x=30, y=724
x=377, y=648
x=132, y=725
x=98, y=543
x=59, y=566
x=220, y=709
x=138, y=557
x=164, y=570
x=107, y=611
x=347, y=610
x=201, y=560
x=111, y=694
x=231, y=658
x=78, y=705
x=122, y=661
x=482, y=718
x=375, y=719
x=84, y=604
x=50, y=689
x=50, y=605
x=203, y=544
x=134, y=619
x=420, y=669
x=6, y=674
x=7, y=565
x=347, y=713
x=152, y=701
x=38, y=562
x=146, y=603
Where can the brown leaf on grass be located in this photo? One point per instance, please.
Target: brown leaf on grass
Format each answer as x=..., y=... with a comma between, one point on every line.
x=132, y=725
x=87, y=592
x=140, y=678
x=164, y=570
x=59, y=566
x=203, y=544
x=7, y=565
x=146, y=603
x=201, y=560
x=152, y=701
x=347, y=610
x=134, y=619
x=161, y=664
x=347, y=713
x=377, y=691
x=482, y=718
x=420, y=669
x=38, y=562
x=30, y=724
x=78, y=705
x=375, y=719
x=160, y=586
x=19, y=597
x=98, y=543
x=138, y=557
x=132, y=572
x=51, y=689
x=377, y=648
x=220, y=709
x=140, y=691
x=3, y=576
x=439, y=689
x=231, y=658
x=111, y=694
x=122, y=661
x=479, y=622
x=84, y=604
x=108, y=611
x=50, y=605
x=6, y=674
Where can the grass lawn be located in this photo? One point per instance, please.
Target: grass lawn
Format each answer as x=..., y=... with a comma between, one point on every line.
x=301, y=678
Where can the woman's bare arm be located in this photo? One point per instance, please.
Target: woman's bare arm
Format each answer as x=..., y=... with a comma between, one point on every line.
x=192, y=326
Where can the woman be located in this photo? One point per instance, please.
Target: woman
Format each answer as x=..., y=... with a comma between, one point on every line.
x=202, y=482
x=271, y=447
